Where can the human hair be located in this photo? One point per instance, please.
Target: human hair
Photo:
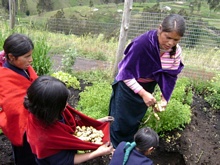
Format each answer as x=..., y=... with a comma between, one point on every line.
x=46, y=99
x=174, y=22
x=18, y=45
x=146, y=138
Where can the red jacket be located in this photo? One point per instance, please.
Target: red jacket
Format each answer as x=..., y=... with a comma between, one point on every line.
x=13, y=115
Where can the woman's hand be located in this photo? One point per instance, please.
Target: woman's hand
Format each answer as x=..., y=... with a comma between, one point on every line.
x=147, y=97
x=106, y=119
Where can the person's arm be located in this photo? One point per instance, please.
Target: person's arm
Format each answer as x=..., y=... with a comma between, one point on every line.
x=105, y=149
x=137, y=88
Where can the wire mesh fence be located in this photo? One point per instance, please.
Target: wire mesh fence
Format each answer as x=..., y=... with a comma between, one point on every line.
x=199, y=33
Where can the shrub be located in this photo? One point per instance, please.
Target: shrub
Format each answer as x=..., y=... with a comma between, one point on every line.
x=213, y=94
x=68, y=79
x=175, y=116
x=94, y=100
x=209, y=90
x=177, y=113
x=68, y=60
x=41, y=61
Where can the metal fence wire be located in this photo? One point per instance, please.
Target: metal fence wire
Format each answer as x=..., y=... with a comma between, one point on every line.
x=200, y=33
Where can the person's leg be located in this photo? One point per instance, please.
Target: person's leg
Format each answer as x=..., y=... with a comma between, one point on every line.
x=23, y=154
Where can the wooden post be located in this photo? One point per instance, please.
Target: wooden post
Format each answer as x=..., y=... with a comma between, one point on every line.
x=12, y=13
x=123, y=34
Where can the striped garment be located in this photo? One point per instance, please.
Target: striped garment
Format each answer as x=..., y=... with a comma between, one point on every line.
x=167, y=64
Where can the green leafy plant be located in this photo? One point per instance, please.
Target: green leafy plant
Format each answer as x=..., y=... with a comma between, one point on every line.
x=177, y=113
x=41, y=60
x=94, y=100
x=68, y=79
x=68, y=60
x=213, y=94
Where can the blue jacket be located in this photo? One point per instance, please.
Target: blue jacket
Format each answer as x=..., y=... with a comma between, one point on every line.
x=135, y=158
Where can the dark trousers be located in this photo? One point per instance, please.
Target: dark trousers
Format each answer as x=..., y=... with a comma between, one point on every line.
x=128, y=110
x=23, y=154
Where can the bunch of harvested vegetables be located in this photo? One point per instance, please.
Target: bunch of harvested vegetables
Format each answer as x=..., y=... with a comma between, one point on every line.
x=89, y=134
x=155, y=108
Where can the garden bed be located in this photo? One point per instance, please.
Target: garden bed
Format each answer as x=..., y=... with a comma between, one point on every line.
x=198, y=143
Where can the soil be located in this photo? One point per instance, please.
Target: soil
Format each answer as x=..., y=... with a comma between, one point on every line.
x=197, y=144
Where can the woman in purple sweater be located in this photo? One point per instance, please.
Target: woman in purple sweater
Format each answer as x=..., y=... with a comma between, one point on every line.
x=153, y=58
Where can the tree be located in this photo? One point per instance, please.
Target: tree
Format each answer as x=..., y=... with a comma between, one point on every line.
x=43, y=5
x=214, y=5
x=91, y=3
x=23, y=6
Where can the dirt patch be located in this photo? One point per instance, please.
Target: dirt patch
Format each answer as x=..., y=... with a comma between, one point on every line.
x=81, y=64
x=198, y=143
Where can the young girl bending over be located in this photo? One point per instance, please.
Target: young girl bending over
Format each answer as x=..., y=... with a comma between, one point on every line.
x=52, y=123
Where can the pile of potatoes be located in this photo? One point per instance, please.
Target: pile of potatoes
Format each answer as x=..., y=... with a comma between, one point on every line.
x=89, y=134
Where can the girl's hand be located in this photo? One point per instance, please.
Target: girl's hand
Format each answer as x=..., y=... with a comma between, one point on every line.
x=105, y=149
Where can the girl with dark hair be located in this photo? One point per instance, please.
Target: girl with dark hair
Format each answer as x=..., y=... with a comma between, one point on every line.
x=145, y=141
x=152, y=58
x=16, y=76
x=52, y=123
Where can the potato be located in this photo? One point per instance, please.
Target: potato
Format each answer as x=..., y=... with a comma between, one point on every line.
x=89, y=134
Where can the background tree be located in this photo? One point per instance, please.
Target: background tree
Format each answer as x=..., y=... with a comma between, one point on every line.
x=91, y=4
x=43, y=5
x=23, y=6
x=214, y=5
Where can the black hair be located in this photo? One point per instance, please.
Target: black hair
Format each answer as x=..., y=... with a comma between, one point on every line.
x=46, y=99
x=174, y=22
x=146, y=138
x=18, y=45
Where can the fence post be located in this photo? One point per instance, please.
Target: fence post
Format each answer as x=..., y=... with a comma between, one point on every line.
x=123, y=33
x=12, y=13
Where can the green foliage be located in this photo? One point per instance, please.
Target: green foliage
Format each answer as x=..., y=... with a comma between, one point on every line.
x=214, y=5
x=209, y=90
x=200, y=87
x=68, y=60
x=68, y=79
x=183, y=91
x=94, y=76
x=175, y=116
x=213, y=94
x=41, y=61
x=94, y=100
x=177, y=113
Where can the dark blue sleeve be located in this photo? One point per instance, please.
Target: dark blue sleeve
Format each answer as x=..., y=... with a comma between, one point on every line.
x=64, y=157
